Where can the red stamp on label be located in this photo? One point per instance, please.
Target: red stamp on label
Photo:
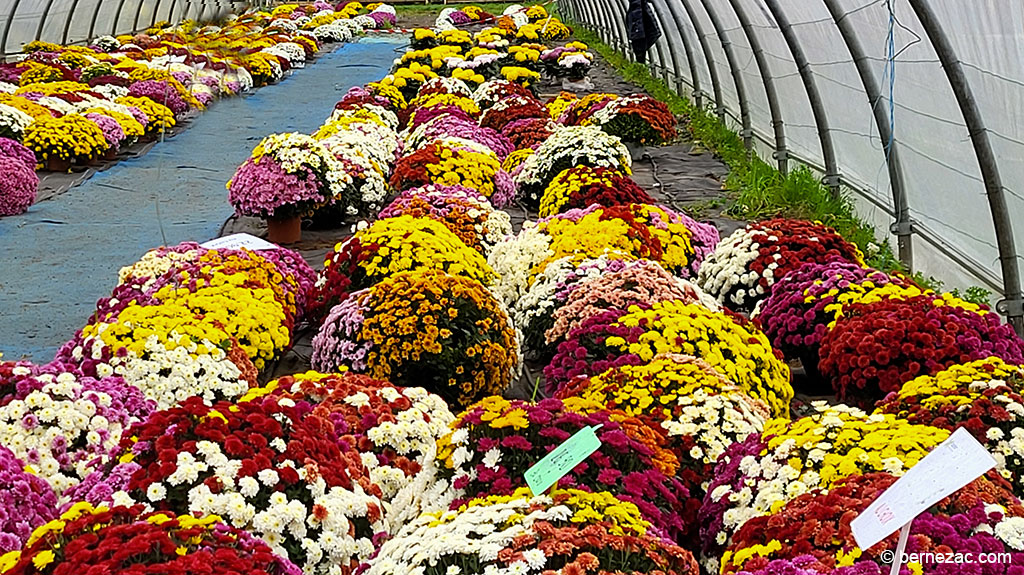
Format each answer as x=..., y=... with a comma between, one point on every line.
x=884, y=514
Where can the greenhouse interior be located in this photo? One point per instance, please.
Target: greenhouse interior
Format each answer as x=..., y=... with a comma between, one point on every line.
x=580, y=287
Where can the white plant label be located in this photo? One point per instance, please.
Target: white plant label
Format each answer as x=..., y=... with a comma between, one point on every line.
x=239, y=241
x=952, y=464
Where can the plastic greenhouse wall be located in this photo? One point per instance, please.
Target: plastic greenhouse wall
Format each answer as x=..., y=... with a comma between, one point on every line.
x=923, y=125
x=76, y=21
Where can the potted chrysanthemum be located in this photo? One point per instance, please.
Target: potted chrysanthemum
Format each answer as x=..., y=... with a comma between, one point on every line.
x=288, y=176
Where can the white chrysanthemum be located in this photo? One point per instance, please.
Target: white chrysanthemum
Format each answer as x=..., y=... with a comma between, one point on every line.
x=14, y=120
x=290, y=51
x=169, y=376
x=514, y=259
x=56, y=430
x=574, y=145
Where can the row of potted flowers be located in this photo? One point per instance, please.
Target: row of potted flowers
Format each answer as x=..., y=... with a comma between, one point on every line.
x=488, y=53
x=637, y=314
x=79, y=104
x=416, y=297
x=945, y=333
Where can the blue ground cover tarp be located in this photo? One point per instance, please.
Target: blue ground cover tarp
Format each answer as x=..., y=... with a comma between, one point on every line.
x=64, y=254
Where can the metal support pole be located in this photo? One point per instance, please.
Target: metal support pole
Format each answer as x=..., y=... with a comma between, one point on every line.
x=589, y=15
x=828, y=152
x=903, y=227
x=42, y=19
x=573, y=11
x=596, y=10
x=658, y=48
x=156, y=12
x=778, y=127
x=92, y=21
x=677, y=64
x=737, y=75
x=709, y=57
x=117, y=17
x=606, y=25
x=1012, y=304
x=617, y=16
x=138, y=14
x=577, y=12
x=691, y=61
x=67, y=22
x=565, y=9
x=611, y=36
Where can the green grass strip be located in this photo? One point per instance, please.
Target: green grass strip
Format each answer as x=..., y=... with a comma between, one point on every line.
x=757, y=190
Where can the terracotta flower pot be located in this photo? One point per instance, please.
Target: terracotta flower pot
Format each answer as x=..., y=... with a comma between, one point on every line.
x=110, y=154
x=284, y=231
x=58, y=165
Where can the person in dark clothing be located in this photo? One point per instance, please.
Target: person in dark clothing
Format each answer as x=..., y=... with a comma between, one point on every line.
x=643, y=28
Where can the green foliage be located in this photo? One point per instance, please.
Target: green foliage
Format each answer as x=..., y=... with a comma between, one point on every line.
x=927, y=282
x=974, y=294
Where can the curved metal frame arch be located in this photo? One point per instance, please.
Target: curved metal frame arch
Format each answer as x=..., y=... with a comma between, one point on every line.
x=619, y=21
x=677, y=66
x=117, y=17
x=903, y=227
x=156, y=12
x=1013, y=303
x=42, y=20
x=659, y=47
x=781, y=153
x=7, y=27
x=828, y=151
x=566, y=8
x=615, y=34
x=574, y=10
x=95, y=16
x=741, y=93
x=691, y=62
x=604, y=30
x=67, y=22
x=138, y=14
x=591, y=11
x=709, y=59
x=175, y=9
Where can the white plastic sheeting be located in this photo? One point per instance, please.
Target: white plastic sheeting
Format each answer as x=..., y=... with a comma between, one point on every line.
x=954, y=237
x=77, y=21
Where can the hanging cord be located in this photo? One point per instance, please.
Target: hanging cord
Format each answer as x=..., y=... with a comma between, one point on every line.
x=890, y=70
x=889, y=73
x=891, y=54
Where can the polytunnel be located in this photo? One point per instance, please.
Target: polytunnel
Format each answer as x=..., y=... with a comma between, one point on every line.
x=911, y=106
x=571, y=287
x=75, y=21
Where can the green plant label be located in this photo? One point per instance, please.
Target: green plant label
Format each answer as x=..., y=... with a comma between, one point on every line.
x=562, y=459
